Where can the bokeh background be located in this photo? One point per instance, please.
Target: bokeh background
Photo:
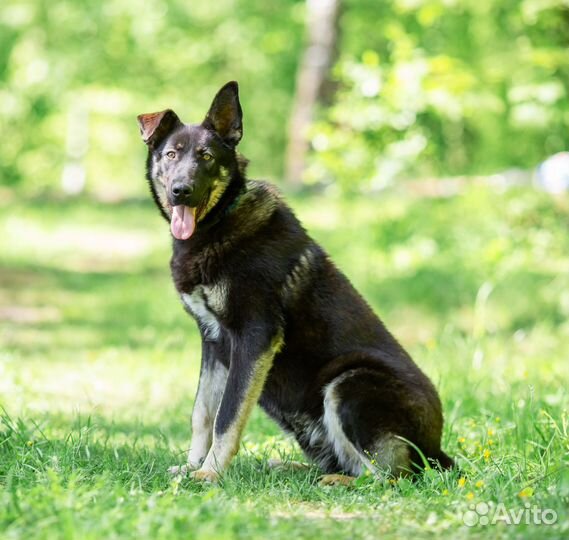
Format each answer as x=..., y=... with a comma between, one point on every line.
x=415, y=87
x=409, y=137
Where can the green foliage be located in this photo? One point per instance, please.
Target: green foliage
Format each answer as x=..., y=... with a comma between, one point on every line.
x=99, y=363
x=75, y=65
x=424, y=86
x=431, y=87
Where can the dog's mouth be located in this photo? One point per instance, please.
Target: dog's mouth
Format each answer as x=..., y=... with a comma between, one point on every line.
x=185, y=218
x=183, y=222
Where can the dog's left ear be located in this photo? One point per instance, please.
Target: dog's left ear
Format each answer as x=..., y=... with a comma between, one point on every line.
x=225, y=116
x=154, y=127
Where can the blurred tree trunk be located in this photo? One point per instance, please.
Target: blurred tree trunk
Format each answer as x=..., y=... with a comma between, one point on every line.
x=74, y=174
x=312, y=81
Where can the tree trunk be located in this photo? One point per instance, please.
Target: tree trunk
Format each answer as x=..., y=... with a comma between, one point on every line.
x=312, y=81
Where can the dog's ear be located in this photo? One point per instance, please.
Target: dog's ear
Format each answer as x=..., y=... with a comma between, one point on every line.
x=225, y=116
x=154, y=127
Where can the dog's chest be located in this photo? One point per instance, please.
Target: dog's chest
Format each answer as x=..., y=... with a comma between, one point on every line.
x=206, y=304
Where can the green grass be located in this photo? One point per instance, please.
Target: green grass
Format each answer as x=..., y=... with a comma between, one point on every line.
x=99, y=365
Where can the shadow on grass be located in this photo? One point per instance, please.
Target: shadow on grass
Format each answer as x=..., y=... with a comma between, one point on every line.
x=127, y=308
x=130, y=453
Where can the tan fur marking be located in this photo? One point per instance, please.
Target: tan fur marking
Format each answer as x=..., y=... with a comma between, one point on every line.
x=391, y=456
x=210, y=391
x=336, y=480
x=263, y=199
x=216, y=295
x=218, y=189
x=201, y=475
x=298, y=276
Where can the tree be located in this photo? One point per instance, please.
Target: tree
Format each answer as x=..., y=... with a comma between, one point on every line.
x=312, y=82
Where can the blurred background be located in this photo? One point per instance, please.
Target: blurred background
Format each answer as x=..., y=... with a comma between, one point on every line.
x=414, y=138
x=380, y=91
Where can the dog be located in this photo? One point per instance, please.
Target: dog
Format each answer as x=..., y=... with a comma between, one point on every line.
x=280, y=325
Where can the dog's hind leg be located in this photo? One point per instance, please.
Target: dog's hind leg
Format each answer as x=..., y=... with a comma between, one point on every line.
x=357, y=428
x=213, y=375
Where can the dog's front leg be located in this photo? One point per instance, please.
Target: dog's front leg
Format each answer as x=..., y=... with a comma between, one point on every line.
x=251, y=360
x=213, y=375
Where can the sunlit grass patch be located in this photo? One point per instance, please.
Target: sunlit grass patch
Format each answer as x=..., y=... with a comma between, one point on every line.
x=99, y=365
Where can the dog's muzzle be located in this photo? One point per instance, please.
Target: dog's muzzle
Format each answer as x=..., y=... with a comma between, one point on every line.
x=181, y=193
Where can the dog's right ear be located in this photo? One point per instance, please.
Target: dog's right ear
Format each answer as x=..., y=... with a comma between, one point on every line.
x=154, y=127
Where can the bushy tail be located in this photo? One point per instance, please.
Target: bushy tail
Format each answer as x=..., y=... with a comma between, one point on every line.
x=444, y=461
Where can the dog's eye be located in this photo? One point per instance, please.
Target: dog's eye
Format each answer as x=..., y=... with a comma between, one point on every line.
x=207, y=156
x=171, y=154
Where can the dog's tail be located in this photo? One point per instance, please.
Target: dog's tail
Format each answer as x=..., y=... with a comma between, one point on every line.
x=444, y=461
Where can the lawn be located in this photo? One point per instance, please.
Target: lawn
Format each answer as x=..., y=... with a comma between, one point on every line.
x=99, y=366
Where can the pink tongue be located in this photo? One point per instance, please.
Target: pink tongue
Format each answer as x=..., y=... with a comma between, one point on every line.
x=183, y=222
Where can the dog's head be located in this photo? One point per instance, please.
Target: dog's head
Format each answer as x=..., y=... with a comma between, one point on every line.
x=190, y=166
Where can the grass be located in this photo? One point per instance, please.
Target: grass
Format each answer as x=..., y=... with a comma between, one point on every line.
x=99, y=365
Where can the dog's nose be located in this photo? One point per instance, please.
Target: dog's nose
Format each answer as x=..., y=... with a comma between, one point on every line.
x=180, y=189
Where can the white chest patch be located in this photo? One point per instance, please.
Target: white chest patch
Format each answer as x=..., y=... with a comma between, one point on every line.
x=201, y=303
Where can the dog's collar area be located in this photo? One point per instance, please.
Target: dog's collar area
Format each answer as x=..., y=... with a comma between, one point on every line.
x=208, y=223
x=235, y=202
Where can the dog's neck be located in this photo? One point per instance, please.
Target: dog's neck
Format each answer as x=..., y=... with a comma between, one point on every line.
x=226, y=203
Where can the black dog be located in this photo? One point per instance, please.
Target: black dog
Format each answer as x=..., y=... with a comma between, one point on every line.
x=280, y=324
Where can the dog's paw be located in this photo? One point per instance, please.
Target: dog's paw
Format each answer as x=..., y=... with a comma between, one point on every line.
x=336, y=480
x=205, y=475
x=179, y=470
